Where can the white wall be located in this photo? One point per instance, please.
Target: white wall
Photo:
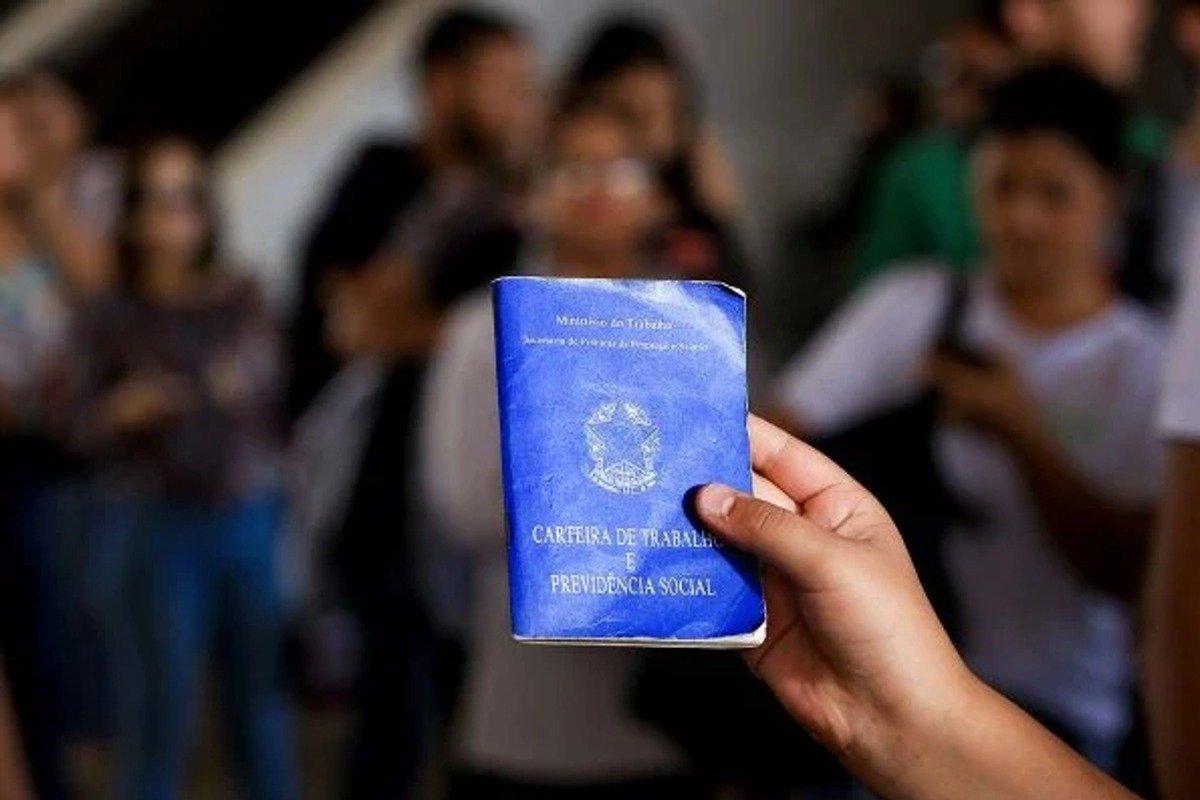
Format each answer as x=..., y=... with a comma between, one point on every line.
x=776, y=74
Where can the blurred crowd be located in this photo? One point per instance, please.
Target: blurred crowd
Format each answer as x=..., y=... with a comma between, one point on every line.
x=308, y=506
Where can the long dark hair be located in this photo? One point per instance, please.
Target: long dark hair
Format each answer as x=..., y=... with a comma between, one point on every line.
x=128, y=251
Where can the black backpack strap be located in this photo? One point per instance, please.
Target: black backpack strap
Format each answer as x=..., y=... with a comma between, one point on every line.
x=1139, y=274
x=958, y=295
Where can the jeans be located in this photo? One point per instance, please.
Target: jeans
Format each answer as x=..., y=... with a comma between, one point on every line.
x=200, y=578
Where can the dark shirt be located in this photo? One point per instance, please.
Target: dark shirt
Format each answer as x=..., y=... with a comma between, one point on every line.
x=222, y=446
x=384, y=181
x=459, y=236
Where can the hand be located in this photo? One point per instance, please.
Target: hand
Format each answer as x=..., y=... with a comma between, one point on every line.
x=854, y=651
x=380, y=312
x=856, y=654
x=226, y=381
x=993, y=398
x=141, y=404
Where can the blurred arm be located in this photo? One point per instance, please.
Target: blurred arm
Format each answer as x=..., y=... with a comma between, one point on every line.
x=245, y=380
x=84, y=258
x=716, y=179
x=14, y=783
x=867, y=359
x=1106, y=543
x=1173, y=629
x=1104, y=538
x=383, y=312
x=461, y=433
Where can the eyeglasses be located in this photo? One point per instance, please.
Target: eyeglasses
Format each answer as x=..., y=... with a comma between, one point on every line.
x=619, y=176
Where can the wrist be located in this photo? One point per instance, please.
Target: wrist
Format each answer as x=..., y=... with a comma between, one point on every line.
x=909, y=747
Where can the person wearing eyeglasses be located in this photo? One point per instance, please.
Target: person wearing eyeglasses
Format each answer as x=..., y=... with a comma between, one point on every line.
x=178, y=388
x=540, y=722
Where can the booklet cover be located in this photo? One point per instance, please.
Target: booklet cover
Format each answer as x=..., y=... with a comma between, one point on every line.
x=617, y=399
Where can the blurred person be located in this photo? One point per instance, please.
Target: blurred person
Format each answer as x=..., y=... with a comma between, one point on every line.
x=479, y=103
x=1180, y=177
x=541, y=722
x=72, y=198
x=412, y=228
x=1173, y=614
x=855, y=653
x=1172, y=610
x=1047, y=392
x=34, y=325
x=1108, y=39
x=920, y=205
x=179, y=379
x=1105, y=37
x=635, y=68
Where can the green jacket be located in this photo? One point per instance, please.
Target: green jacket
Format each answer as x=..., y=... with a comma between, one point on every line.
x=922, y=207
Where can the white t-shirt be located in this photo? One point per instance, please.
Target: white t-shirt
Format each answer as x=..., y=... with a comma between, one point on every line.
x=1180, y=418
x=1033, y=628
x=535, y=714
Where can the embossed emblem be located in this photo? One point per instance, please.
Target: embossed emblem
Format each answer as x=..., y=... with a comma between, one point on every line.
x=623, y=443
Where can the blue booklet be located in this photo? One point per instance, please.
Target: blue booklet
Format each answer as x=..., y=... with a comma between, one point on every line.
x=617, y=399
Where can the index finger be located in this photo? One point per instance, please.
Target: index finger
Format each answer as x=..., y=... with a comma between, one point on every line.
x=801, y=471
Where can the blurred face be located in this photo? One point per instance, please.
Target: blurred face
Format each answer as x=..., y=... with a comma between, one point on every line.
x=55, y=121
x=962, y=70
x=1045, y=207
x=1187, y=32
x=14, y=154
x=1105, y=36
x=598, y=198
x=1110, y=35
x=170, y=223
x=652, y=100
x=490, y=102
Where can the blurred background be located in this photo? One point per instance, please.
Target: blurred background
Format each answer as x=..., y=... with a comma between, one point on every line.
x=242, y=245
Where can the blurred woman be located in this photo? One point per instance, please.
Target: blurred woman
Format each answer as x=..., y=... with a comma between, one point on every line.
x=179, y=403
x=634, y=69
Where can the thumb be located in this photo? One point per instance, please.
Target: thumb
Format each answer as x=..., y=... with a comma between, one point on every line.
x=785, y=540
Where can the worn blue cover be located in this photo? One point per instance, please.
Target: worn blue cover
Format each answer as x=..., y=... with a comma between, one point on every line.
x=617, y=398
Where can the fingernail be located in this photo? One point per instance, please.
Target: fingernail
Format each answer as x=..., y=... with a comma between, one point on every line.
x=716, y=500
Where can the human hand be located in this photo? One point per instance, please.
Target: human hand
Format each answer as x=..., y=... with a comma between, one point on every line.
x=991, y=397
x=226, y=381
x=854, y=651
x=380, y=312
x=143, y=403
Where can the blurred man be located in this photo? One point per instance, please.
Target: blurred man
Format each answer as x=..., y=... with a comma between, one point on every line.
x=478, y=95
x=542, y=722
x=1047, y=387
x=412, y=227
